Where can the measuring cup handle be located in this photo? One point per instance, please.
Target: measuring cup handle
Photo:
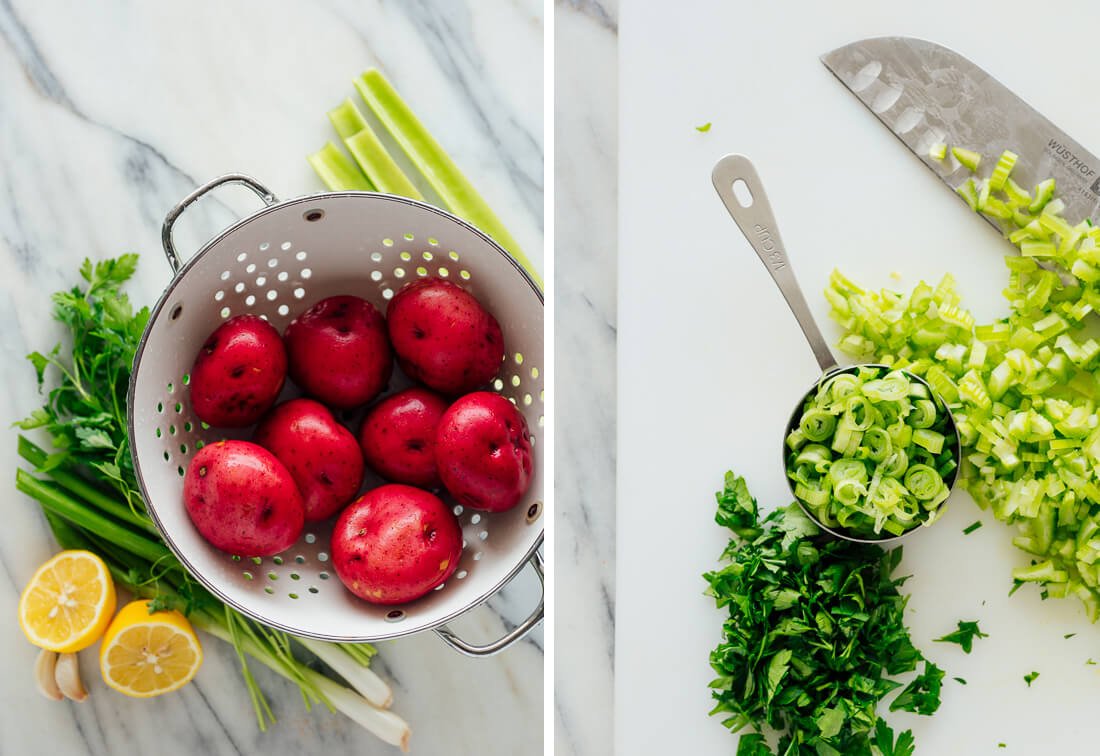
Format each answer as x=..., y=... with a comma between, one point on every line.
x=508, y=640
x=757, y=223
x=259, y=189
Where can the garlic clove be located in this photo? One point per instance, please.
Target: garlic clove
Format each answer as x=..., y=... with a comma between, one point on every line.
x=44, y=667
x=67, y=675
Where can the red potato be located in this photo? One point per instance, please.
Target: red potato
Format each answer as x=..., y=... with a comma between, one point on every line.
x=242, y=499
x=395, y=543
x=238, y=372
x=443, y=337
x=483, y=450
x=338, y=351
x=321, y=455
x=398, y=437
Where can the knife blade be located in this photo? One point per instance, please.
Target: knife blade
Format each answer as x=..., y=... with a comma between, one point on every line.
x=927, y=94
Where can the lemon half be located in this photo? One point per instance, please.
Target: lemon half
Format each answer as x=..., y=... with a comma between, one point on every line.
x=68, y=602
x=145, y=655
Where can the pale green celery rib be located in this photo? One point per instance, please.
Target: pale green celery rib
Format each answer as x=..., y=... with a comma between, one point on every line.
x=337, y=172
x=364, y=146
x=379, y=166
x=347, y=119
x=433, y=162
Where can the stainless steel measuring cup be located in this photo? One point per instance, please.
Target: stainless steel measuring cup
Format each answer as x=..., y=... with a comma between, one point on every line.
x=748, y=204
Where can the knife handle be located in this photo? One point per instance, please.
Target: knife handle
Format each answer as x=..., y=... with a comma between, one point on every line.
x=737, y=183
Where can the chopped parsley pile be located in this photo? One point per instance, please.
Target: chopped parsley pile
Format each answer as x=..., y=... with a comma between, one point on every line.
x=814, y=639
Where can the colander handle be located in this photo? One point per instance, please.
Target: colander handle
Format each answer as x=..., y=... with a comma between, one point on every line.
x=259, y=189
x=515, y=636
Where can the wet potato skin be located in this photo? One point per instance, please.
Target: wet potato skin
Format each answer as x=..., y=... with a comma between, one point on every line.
x=339, y=353
x=395, y=543
x=321, y=455
x=242, y=499
x=238, y=372
x=483, y=451
x=398, y=437
x=443, y=337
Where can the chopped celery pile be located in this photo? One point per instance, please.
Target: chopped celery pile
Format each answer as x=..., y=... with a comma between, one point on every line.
x=870, y=453
x=1023, y=390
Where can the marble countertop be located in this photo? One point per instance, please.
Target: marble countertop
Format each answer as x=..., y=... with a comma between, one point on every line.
x=111, y=112
x=586, y=231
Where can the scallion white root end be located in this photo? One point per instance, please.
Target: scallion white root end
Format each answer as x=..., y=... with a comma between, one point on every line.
x=386, y=725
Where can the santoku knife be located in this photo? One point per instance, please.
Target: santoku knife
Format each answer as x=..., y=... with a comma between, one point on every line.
x=926, y=94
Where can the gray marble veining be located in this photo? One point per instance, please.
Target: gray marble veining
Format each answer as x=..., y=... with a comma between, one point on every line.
x=109, y=114
x=586, y=219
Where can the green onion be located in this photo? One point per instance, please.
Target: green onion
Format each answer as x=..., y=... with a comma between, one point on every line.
x=817, y=425
x=937, y=151
x=866, y=453
x=358, y=675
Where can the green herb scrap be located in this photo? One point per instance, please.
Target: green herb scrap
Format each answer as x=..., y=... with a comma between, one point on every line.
x=972, y=527
x=964, y=636
x=887, y=746
x=1029, y=679
x=814, y=637
x=921, y=696
x=704, y=128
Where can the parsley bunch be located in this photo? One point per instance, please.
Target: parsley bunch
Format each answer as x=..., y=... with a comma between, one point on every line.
x=814, y=638
x=85, y=413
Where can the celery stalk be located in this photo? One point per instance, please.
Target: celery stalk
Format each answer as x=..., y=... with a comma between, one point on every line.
x=59, y=503
x=969, y=158
x=364, y=146
x=346, y=119
x=437, y=167
x=372, y=157
x=77, y=485
x=337, y=172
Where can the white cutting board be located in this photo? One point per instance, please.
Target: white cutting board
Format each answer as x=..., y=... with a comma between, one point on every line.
x=711, y=361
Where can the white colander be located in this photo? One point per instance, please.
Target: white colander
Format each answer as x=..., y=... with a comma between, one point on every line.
x=276, y=263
